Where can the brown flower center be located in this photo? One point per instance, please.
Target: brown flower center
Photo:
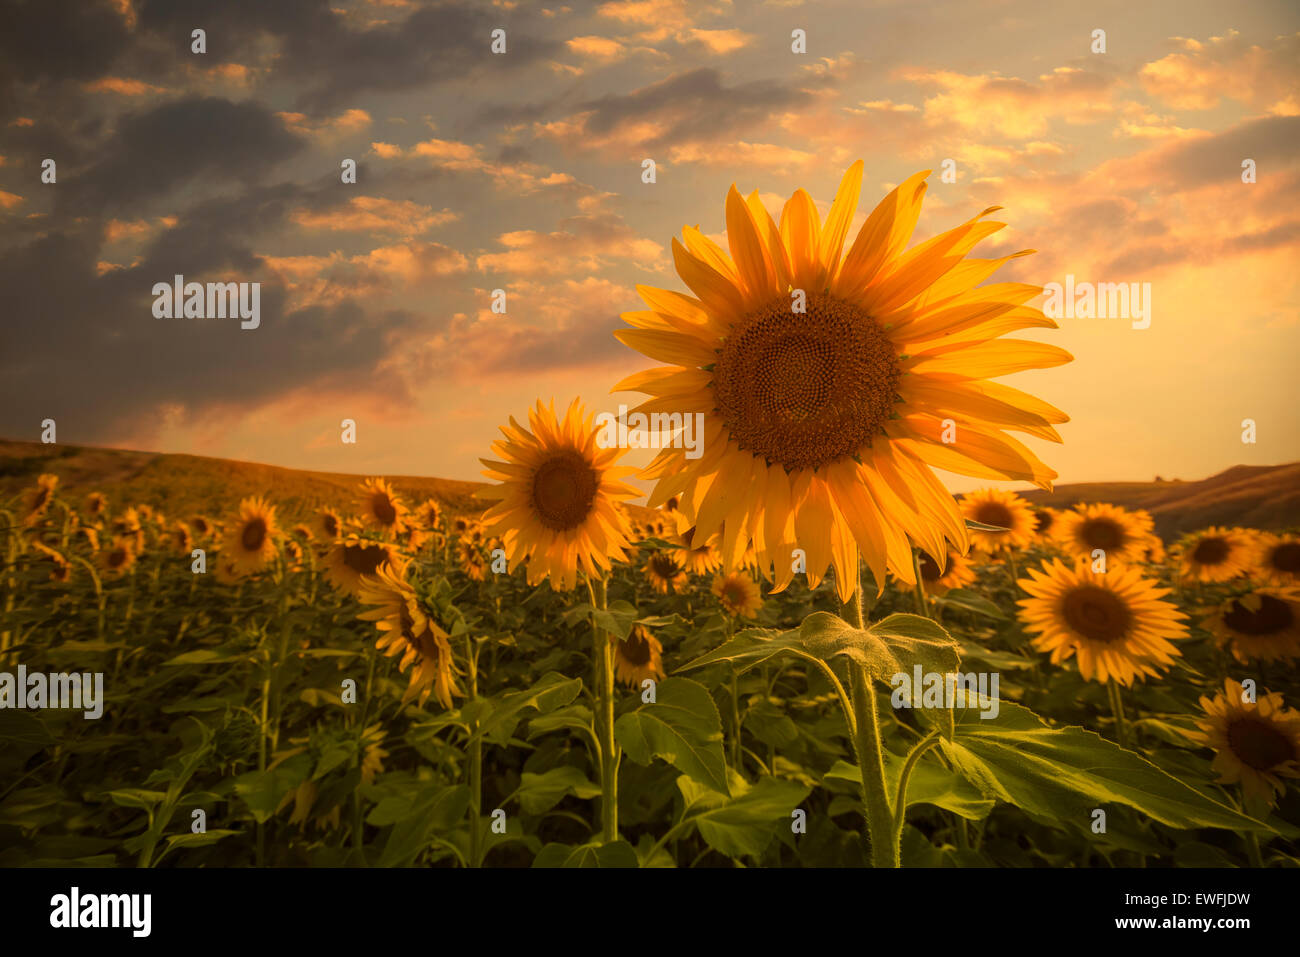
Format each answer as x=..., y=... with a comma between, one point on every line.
x=1274, y=616
x=382, y=507
x=1210, y=551
x=1042, y=520
x=1286, y=558
x=331, y=525
x=929, y=568
x=635, y=650
x=1259, y=744
x=564, y=488
x=254, y=535
x=364, y=559
x=994, y=513
x=1096, y=613
x=664, y=566
x=1103, y=533
x=117, y=557
x=806, y=389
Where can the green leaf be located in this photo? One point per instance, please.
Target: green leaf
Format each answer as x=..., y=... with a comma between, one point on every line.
x=970, y=601
x=981, y=527
x=1064, y=773
x=682, y=726
x=197, y=840
x=500, y=716
x=262, y=791
x=136, y=797
x=538, y=793
x=616, y=854
x=929, y=784
x=440, y=810
x=744, y=823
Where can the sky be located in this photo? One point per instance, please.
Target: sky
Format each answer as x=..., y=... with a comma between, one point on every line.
x=522, y=171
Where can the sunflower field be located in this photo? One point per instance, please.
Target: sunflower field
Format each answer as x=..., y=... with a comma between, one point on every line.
x=802, y=652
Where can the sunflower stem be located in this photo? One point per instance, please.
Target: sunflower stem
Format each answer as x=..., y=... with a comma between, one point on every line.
x=1117, y=710
x=475, y=763
x=871, y=762
x=604, y=655
x=918, y=589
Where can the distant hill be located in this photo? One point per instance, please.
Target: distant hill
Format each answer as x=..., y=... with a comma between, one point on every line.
x=1264, y=496
x=1255, y=496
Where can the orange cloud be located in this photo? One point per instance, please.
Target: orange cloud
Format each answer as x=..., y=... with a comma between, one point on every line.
x=122, y=86
x=1200, y=76
x=588, y=244
x=326, y=128
x=374, y=214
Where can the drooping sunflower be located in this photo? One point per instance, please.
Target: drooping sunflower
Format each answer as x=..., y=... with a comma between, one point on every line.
x=37, y=500
x=826, y=380
x=328, y=524
x=1262, y=625
x=698, y=556
x=405, y=629
x=1044, y=519
x=250, y=542
x=557, y=496
x=958, y=572
x=992, y=506
x=380, y=507
x=1215, y=554
x=1117, y=624
x=373, y=752
x=180, y=538
x=349, y=560
x=471, y=559
x=118, y=557
x=127, y=525
x=60, y=567
x=1276, y=559
x=664, y=572
x=1256, y=743
x=738, y=594
x=638, y=657
x=1122, y=534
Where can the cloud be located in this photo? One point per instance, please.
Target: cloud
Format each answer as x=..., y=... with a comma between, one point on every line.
x=1201, y=75
x=586, y=244
x=375, y=214
x=326, y=128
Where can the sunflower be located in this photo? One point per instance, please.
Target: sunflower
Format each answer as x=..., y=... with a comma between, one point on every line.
x=95, y=504
x=826, y=381
x=349, y=559
x=958, y=572
x=118, y=557
x=1153, y=550
x=1256, y=743
x=38, y=499
x=303, y=531
x=373, y=752
x=181, y=539
x=1276, y=558
x=991, y=506
x=381, y=508
x=250, y=542
x=738, y=594
x=1263, y=625
x=1123, y=535
x=328, y=524
x=91, y=535
x=462, y=525
x=700, y=557
x=429, y=515
x=406, y=630
x=664, y=572
x=60, y=567
x=472, y=562
x=557, y=496
x=128, y=526
x=1044, y=519
x=638, y=657
x=1117, y=624
x=200, y=526
x=1215, y=554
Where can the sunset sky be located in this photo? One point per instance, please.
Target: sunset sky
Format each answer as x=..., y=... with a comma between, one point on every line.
x=522, y=171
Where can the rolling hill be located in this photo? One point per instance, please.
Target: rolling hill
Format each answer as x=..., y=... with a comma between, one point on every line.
x=1265, y=496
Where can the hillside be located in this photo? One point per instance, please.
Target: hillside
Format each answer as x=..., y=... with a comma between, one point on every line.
x=1266, y=496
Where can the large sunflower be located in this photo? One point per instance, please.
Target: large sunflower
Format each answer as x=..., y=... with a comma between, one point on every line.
x=827, y=381
x=405, y=629
x=557, y=497
x=1215, y=554
x=992, y=506
x=1263, y=625
x=1277, y=558
x=1122, y=534
x=250, y=542
x=1257, y=743
x=1117, y=624
x=638, y=657
x=349, y=560
x=380, y=507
